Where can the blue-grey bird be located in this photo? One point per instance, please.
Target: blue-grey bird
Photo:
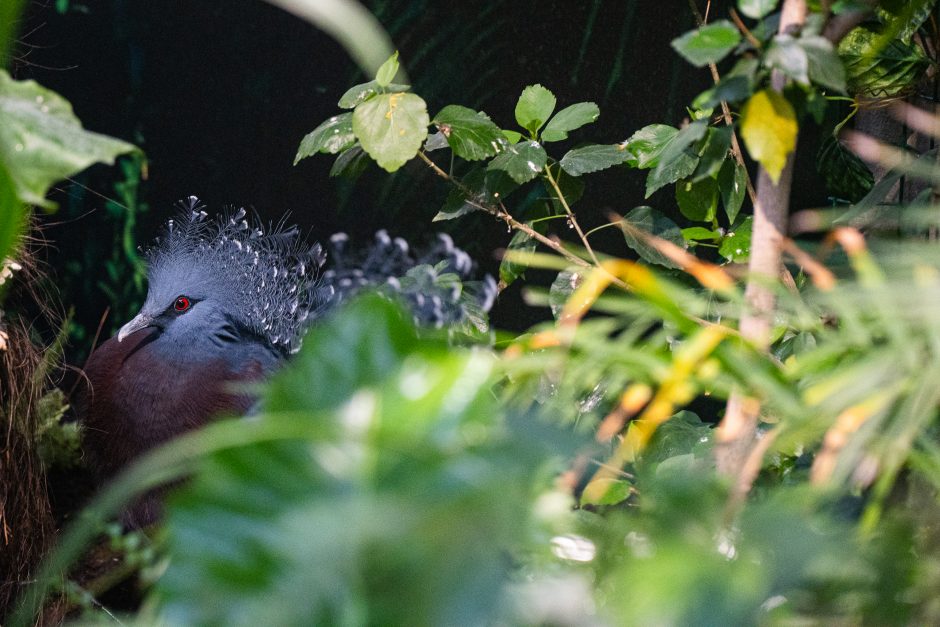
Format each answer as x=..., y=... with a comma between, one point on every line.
x=228, y=302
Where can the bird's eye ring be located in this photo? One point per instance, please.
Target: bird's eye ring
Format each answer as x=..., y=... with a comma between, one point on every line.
x=182, y=304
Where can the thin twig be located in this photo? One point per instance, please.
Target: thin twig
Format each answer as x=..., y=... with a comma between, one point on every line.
x=754, y=41
x=736, y=151
x=504, y=215
x=571, y=217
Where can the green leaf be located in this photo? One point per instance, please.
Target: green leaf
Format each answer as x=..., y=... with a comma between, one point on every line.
x=825, y=66
x=509, y=271
x=350, y=163
x=677, y=160
x=736, y=245
x=732, y=182
x=534, y=108
x=878, y=69
x=331, y=137
x=756, y=9
x=487, y=188
x=593, y=158
x=698, y=233
x=647, y=144
x=523, y=161
x=769, y=129
x=563, y=287
x=391, y=128
x=42, y=142
x=13, y=214
x=787, y=55
x=652, y=221
x=362, y=92
x=10, y=13
x=471, y=135
x=708, y=44
x=387, y=71
x=404, y=486
x=730, y=89
x=605, y=491
x=698, y=201
x=847, y=177
x=512, y=136
x=569, y=119
x=680, y=168
x=680, y=145
x=714, y=153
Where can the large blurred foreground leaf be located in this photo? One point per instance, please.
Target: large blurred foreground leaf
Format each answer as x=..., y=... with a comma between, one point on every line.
x=41, y=142
x=401, y=513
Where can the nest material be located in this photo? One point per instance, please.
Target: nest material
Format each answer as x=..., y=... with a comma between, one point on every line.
x=27, y=525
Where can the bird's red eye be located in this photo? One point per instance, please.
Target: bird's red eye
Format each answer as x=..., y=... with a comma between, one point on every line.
x=182, y=304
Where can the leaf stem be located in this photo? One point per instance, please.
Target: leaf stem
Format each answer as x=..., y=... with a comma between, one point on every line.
x=571, y=217
x=501, y=213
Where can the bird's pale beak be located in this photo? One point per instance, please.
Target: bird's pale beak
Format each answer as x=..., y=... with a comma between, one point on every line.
x=139, y=322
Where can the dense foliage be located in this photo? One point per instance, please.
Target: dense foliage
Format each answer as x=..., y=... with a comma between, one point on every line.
x=562, y=476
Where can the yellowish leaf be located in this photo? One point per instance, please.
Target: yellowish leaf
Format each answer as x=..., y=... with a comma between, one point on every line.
x=769, y=129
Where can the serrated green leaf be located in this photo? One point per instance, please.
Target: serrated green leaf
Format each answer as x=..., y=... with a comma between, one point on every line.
x=847, y=177
x=736, y=245
x=708, y=44
x=362, y=92
x=731, y=89
x=652, y=221
x=756, y=9
x=787, y=55
x=387, y=71
x=648, y=143
x=825, y=66
x=698, y=201
x=391, y=128
x=523, y=161
x=714, y=153
x=350, y=163
x=769, y=129
x=471, y=135
x=593, y=158
x=878, y=69
x=331, y=137
x=486, y=187
x=42, y=142
x=679, y=168
x=568, y=119
x=682, y=143
x=534, y=107
x=732, y=182
x=509, y=271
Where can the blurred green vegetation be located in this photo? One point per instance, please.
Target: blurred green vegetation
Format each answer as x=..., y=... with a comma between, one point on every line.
x=561, y=476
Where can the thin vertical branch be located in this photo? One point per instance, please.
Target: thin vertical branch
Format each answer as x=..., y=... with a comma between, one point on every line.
x=737, y=432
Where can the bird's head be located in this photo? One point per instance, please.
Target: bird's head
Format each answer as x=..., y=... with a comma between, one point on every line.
x=220, y=279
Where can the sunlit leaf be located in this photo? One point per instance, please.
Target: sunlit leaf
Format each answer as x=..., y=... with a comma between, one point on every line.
x=523, y=161
x=42, y=142
x=387, y=71
x=362, y=92
x=332, y=136
x=534, y=107
x=391, y=128
x=568, y=119
x=708, y=44
x=769, y=129
x=736, y=245
x=756, y=9
x=471, y=135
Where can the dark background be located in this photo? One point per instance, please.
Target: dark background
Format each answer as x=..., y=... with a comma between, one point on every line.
x=219, y=94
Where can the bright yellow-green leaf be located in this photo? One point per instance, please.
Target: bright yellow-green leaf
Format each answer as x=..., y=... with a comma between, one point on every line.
x=769, y=129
